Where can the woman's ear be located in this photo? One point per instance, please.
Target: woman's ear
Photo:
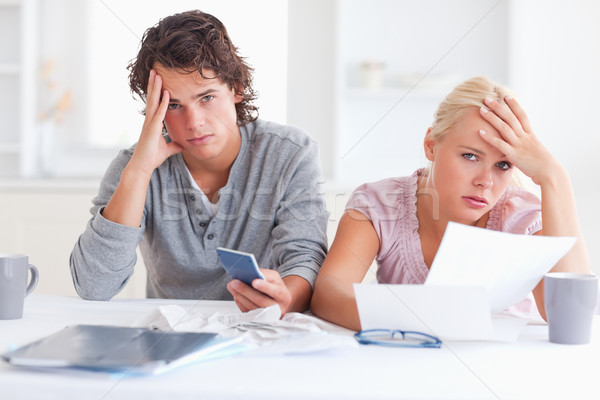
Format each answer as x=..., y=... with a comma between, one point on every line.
x=429, y=145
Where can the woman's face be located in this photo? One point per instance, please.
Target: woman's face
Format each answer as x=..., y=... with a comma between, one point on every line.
x=468, y=174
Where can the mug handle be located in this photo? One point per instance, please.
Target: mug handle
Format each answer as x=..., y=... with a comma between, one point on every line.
x=34, y=279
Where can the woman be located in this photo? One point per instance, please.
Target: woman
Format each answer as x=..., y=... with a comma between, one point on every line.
x=479, y=137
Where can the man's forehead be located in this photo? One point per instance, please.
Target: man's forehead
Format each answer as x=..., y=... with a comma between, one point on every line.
x=174, y=79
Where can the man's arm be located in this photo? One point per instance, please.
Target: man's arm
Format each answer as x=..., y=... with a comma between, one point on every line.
x=299, y=239
x=104, y=256
x=126, y=206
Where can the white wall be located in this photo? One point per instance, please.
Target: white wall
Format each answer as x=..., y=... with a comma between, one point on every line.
x=91, y=43
x=424, y=48
x=311, y=73
x=553, y=65
x=261, y=38
x=547, y=52
x=555, y=69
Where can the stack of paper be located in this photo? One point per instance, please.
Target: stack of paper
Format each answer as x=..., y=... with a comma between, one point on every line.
x=509, y=266
x=475, y=274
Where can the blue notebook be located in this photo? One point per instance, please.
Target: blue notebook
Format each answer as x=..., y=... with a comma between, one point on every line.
x=121, y=349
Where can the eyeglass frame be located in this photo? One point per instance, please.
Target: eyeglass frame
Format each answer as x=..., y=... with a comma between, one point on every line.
x=429, y=341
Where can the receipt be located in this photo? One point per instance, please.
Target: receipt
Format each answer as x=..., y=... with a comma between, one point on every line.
x=262, y=330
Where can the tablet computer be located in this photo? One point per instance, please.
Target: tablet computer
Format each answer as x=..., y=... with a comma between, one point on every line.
x=118, y=349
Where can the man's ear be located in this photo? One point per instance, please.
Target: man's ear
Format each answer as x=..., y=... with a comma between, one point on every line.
x=238, y=94
x=238, y=98
x=428, y=145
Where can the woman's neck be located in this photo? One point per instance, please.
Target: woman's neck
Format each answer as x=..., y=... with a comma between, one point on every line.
x=431, y=221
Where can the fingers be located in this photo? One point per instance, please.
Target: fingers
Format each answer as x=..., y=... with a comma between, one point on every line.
x=174, y=148
x=248, y=298
x=151, y=149
x=510, y=119
x=504, y=112
x=498, y=143
x=234, y=287
x=519, y=113
x=156, y=107
x=502, y=119
x=159, y=116
x=153, y=93
x=243, y=303
x=263, y=292
x=273, y=286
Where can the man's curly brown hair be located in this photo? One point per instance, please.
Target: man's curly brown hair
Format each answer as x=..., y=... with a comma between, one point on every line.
x=194, y=41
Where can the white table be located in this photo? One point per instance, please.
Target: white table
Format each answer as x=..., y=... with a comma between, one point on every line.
x=530, y=368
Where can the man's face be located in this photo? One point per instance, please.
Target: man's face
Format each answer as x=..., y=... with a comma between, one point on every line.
x=201, y=116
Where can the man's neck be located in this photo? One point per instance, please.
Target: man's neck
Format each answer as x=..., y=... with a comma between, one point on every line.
x=211, y=175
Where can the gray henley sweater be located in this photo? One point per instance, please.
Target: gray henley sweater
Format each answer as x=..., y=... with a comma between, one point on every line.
x=271, y=206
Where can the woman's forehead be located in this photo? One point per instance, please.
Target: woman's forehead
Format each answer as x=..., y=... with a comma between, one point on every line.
x=470, y=123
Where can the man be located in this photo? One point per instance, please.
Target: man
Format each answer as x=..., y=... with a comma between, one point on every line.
x=205, y=173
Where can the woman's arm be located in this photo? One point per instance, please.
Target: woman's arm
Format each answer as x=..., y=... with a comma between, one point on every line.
x=559, y=218
x=525, y=151
x=353, y=250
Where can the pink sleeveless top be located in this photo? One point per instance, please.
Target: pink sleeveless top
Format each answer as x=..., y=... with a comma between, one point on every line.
x=391, y=206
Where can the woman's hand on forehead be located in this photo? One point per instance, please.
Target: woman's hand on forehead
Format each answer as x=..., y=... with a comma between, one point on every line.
x=517, y=140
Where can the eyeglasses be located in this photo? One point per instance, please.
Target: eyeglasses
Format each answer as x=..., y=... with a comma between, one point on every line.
x=397, y=338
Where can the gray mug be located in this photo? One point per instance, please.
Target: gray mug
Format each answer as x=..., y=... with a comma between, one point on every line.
x=570, y=300
x=14, y=285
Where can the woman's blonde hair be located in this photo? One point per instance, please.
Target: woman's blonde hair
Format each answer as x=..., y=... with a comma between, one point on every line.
x=466, y=95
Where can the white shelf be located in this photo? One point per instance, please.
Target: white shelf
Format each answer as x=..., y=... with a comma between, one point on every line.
x=18, y=78
x=9, y=69
x=396, y=93
x=383, y=112
x=10, y=3
x=9, y=148
x=49, y=184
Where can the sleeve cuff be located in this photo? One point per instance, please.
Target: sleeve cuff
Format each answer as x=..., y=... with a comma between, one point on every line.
x=114, y=231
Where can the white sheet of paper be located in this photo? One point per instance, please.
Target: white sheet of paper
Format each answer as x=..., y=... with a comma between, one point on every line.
x=448, y=312
x=509, y=266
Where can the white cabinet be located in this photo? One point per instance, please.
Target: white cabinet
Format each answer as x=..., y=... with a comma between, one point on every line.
x=396, y=61
x=367, y=76
x=17, y=85
x=44, y=219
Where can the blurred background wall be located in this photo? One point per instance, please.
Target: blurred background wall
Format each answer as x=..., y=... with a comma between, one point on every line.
x=362, y=77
